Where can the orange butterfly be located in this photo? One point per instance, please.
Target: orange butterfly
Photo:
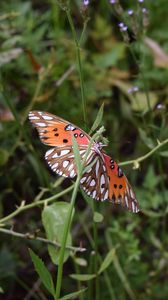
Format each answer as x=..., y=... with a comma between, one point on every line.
x=104, y=180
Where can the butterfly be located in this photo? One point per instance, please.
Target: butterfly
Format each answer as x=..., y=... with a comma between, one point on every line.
x=103, y=178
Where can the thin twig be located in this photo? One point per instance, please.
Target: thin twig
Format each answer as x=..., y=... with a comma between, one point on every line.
x=24, y=207
x=30, y=236
x=64, y=76
x=136, y=161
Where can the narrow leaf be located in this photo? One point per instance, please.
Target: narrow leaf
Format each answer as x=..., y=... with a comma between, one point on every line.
x=147, y=140
x=73, y=295
x=98, y=119
x=83, y=277
x=43, y=273
x=107, y=261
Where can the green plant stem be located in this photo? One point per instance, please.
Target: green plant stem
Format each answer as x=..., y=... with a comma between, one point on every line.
x=96, y=255
x=141, y=158
x=31, y=236
x=64, y=239
x=24, y=207
x=77, y=45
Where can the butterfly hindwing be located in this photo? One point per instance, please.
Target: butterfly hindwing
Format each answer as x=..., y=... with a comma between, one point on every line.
x=95, y=181
x=54, y=131
x=62, y=161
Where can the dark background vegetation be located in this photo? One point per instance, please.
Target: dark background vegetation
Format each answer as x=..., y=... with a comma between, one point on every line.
x=37, y=49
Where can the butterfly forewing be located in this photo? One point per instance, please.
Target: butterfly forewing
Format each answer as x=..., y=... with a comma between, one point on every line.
x=54, y=131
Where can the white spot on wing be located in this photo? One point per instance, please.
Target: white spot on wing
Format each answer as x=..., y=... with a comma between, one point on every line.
x=93, y=182
x=62, y=153
x=126, y=200
x=106, y=195
x=49, y=152
x=45, y=117
x=102, y=179
x=54, y=166
x=70, y=127
x=72, y=173
x=31, y=117
x=83, y=179
x=65, y=163
x=133, y=206
x=40, y=124
x=94, y=194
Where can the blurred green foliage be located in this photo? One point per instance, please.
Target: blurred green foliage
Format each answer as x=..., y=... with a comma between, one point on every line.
x=38, y=69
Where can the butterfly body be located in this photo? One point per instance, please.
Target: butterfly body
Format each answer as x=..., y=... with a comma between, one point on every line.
x=102, y=179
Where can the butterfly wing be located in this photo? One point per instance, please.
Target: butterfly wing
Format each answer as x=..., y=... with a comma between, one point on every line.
x=54, y=131
x=120, y=191
x=61, y=160
x=95, y=181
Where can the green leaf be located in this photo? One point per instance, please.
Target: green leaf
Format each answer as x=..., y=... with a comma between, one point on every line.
x=139, y=101
x=83, y=277
x=152, y=179
x=97, y=217
x=108, y=59
x=107, y=261
x=1, y=290
x=43, y=273
x=73, y=295
x=147, y=140
x=76, y=154
x=80, y=261
x=3, y=156
x=53, y=218
x=98, y=119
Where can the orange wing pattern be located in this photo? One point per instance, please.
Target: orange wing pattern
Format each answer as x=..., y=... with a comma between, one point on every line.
x=54, y=131
x=120, y=191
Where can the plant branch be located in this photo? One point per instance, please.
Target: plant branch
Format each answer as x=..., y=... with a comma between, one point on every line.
x=136, y=161
x=30, y=236
x=24, y=207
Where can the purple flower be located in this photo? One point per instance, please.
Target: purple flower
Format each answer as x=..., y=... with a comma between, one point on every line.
x=140, y=1
x=133, y=89
x=122, y=26
x=130, y=12
x=112, y=1
x=144, y=10
x=160, y=106
x=85, y=2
